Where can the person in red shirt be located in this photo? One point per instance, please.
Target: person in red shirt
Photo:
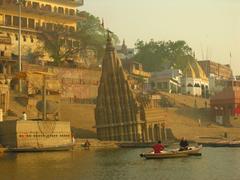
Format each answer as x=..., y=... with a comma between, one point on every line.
x=158, y=147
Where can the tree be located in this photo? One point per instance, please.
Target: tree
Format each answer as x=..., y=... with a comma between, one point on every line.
x=90, y=34
x=159, y=55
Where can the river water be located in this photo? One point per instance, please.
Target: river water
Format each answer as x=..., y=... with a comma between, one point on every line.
x=122, y=164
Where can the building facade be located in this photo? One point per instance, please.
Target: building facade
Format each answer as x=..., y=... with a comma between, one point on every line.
x=220, y=71
x=224, y=103
x=36, y=17
x=194, y=81
x=168, y=80
x=5, y=71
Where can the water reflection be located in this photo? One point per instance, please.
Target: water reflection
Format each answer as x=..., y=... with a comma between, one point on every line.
x=216, y=163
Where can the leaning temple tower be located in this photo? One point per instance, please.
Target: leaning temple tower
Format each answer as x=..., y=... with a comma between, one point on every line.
x=122, y=114
x=116, y=113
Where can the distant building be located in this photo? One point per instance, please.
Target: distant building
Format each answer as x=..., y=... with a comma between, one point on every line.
x=138, y=78
x=168, y=80
x=195, y=81
x=124, y=52
x=217, y=85
x=224, y=103
x=237, y=77
x=220, y=71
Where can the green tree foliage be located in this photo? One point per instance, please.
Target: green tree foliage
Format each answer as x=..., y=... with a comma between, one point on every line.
x=159, y=55
x=90, y=34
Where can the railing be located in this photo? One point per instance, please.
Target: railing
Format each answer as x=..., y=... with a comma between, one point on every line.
x=67, y=2
x=37, y=9
x=5, y=40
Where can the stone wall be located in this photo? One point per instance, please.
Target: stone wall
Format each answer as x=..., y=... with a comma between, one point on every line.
x=77, y=83
x=35, y=134
x=71, y=83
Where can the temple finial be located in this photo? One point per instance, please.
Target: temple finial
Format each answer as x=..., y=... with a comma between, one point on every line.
x=109, y=45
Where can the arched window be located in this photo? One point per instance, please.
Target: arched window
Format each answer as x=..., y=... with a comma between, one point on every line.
x=197, y=85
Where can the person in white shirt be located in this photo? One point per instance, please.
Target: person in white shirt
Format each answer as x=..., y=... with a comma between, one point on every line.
x=24, y=116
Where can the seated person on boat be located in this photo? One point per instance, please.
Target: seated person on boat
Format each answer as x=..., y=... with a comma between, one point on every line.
x=158, y=147
x=183, y=144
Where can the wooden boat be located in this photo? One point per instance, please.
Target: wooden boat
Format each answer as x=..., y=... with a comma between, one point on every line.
x=42, y=149
x=192, y=151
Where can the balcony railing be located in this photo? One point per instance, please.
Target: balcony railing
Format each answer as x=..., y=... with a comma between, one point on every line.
x=5, y=40
x=73, y=3
x=37, y=29
x=41, y=12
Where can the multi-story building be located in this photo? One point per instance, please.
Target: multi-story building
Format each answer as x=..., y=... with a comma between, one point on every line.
x=138, y=78
x=168, y=80
x=5, y=71
x=220, y=71
x=36, y=16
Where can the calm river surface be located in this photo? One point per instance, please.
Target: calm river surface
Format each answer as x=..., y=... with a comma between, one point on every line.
x=122, y=164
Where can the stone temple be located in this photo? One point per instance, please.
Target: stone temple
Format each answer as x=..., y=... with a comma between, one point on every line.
x=121, y=114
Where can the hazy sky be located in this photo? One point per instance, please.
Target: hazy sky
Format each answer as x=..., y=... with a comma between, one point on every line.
x=210, y=27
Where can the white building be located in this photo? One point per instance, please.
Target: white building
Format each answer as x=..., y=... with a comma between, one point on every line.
x=168, y=80
x=195, y=81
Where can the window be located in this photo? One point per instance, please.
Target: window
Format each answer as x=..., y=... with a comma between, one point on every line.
x=2, y=53
x=32, y=40
x=55, y=9
x=15, y=21
x=71, y=29
x=71, y=12
x=49, y=26
x=60, y=10
x=1, y=19
x=31, y=23
x=48, y=8
x=24, y=22
x=24, y=38
x=66, y=11
x=35, y=5
x=16, y=37
x=29, y=4
x=8, y=20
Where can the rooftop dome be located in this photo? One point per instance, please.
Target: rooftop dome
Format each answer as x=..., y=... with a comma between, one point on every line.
x=199, y=71
x=189, y=72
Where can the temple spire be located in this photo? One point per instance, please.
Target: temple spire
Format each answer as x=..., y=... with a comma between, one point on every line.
x=116, y=112
x=109, y=45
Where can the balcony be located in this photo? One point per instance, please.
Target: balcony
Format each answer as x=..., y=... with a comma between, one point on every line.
x=8, y=8
x=5, y=40
x=72, y=3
